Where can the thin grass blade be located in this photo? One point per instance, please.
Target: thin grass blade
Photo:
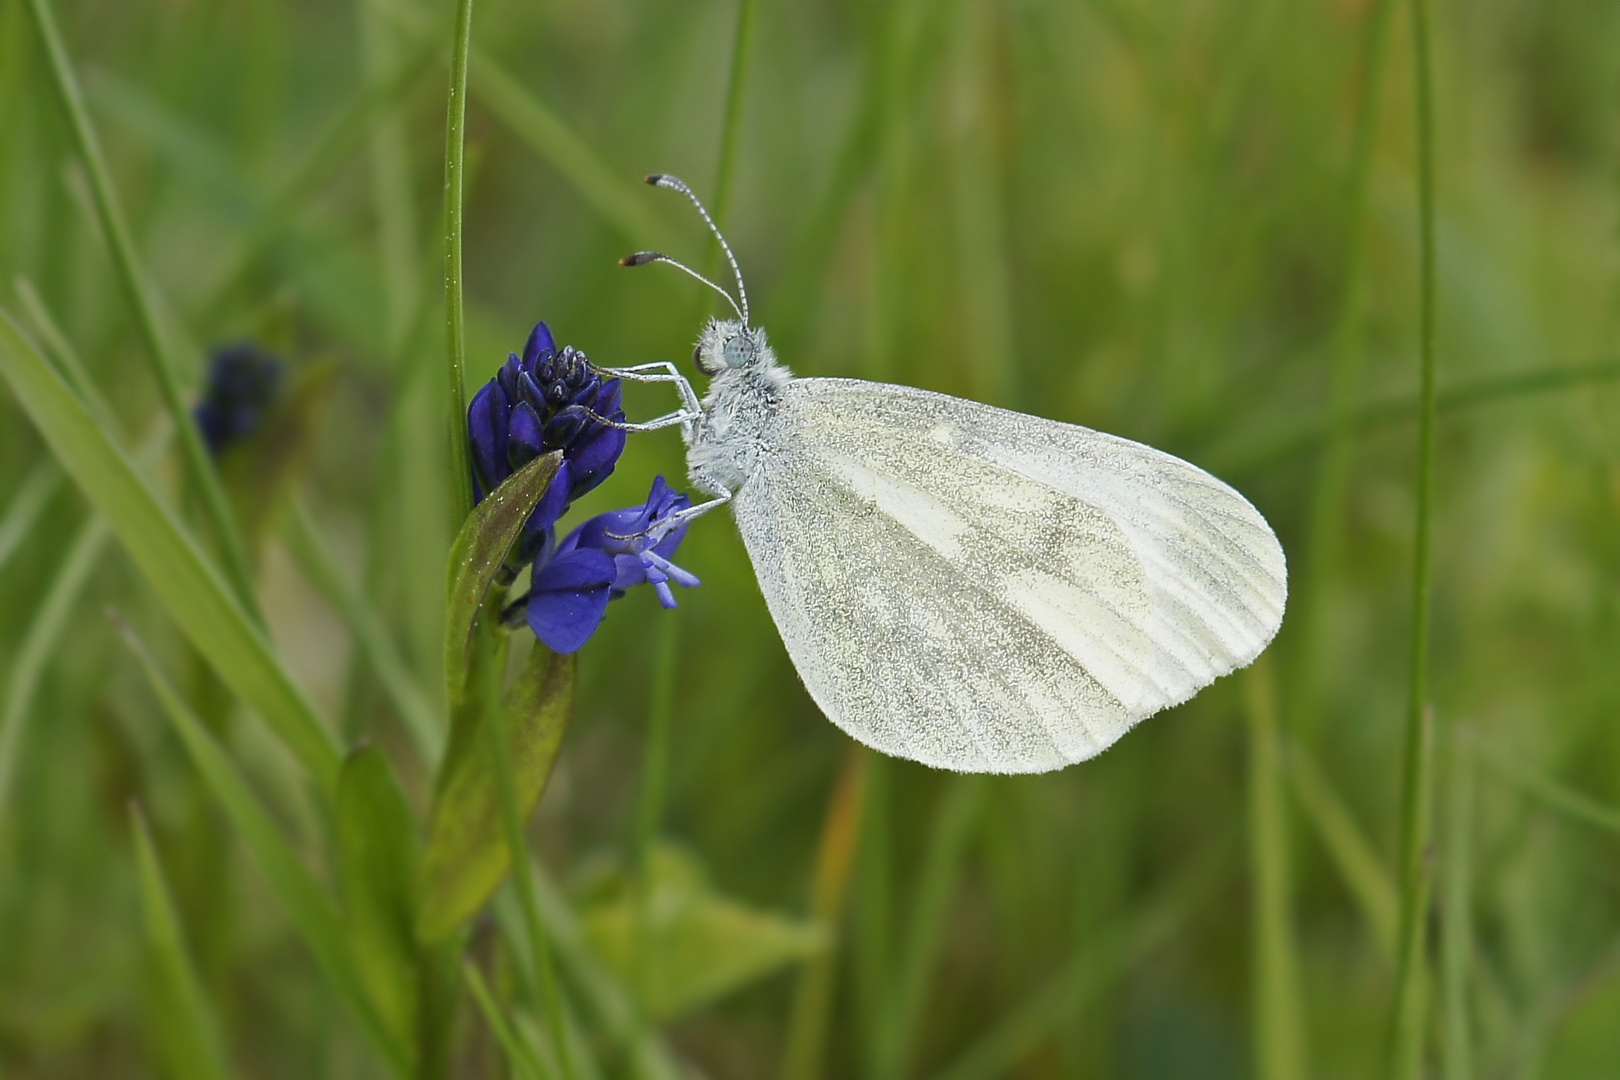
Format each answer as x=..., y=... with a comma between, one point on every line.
x=306, y=903
x=191, y=1039
x=184, y=578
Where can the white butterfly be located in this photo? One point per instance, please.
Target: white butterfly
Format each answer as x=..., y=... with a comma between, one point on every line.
x=968, y=587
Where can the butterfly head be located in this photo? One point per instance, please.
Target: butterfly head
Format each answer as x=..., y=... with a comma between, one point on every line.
x=728, y=345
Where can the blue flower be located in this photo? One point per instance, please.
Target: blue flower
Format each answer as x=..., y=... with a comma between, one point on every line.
x=598, y=562
x=243, y=382
x=548, y=399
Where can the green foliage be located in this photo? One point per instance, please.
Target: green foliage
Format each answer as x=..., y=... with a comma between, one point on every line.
x=467, y=855
x=682, y=943
x=1195, y=224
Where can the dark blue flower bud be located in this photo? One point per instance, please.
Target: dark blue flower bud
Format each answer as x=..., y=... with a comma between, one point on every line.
x=243, y=383
x=537, y=403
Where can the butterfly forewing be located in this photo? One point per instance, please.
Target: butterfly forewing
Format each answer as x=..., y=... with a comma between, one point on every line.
x=987, y=591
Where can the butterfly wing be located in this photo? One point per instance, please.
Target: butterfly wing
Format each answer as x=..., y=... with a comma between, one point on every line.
x=981, y=590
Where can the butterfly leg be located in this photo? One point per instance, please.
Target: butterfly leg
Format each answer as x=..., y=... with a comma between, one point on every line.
x=660, y=371
x=679, y=518
x=679, y=416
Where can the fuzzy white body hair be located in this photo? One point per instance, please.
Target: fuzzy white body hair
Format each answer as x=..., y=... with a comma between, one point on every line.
x=738, y=425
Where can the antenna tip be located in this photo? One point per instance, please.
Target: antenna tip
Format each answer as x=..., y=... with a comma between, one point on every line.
x=640, y=258
x=654, y=178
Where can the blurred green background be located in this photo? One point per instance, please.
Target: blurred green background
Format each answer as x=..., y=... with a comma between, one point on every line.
x=1191, y=223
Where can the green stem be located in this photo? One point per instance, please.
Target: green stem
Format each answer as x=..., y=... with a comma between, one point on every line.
x=1407, y=1015
x=654, y=774
x=142, y=297
x=734, y=105
x=1279, y=1030
x=455, y=146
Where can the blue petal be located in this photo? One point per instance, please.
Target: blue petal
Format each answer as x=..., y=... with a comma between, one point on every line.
x=540, y=341
x=524, y=439
x=486, y=428
x=569, y=598
x=595, y=458
x=554, y=501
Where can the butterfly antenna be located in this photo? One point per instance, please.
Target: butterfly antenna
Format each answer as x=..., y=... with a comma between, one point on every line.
x=675, y=183
x=642, y=258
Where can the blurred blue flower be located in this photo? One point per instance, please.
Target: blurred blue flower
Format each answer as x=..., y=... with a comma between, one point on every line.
x=612, y=552
x=537, y=403
x=243, y=382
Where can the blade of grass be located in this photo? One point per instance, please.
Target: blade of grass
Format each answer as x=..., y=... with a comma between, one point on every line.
x=325, y=153
x=1347, y=846
x=310, y=909
x=611, y=1003
x=41, y=641
x=1288, y=441
x=27, y=503
x=455, y=156
x=419, y=716
x=1119, y=947
x=195, y=1050
x=925, y=924
x=177, y=570
x=141, y=292
x=1457, y=913
x=1278, y=1022
x=731, y=128
x=1409, y=1007
x=1347, y=342
x=43, y=638
x=804, y=1049
x=1572, y=804
x=518, y=1053
x=654, y=779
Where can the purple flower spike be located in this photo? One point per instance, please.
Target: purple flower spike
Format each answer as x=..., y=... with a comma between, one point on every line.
x=244, y=381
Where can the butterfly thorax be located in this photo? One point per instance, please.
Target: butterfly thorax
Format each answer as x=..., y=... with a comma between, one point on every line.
x=739, y=413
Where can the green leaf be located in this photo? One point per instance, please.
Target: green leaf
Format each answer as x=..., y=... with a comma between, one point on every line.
x=481, y=547
x=467, y=853
x=188, y=1034
x=378, y=850
x=187, y=582
x=688, y=945
x=311, y=910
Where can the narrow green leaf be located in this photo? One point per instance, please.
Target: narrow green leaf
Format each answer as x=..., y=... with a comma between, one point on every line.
x=608, y=999
x=518, y=1053
x=308, y=905
x=378, y=849
x=142, y=294
x=476, y=557
x=26, y=504
x=699, y=945
x=1278, y=1026
x=467, y=853
x=40, y=642
x=421, y=719
x=187, y=582
x=189, y=1034
x=1347, y=846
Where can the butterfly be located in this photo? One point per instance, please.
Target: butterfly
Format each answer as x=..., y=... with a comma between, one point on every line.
x=969, y=587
